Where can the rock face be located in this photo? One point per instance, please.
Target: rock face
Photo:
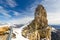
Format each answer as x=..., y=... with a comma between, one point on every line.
x=4, y=37
x=4, y=32
x=38, y=29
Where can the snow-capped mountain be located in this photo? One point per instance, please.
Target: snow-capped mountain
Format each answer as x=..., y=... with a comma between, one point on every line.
x=17, y=31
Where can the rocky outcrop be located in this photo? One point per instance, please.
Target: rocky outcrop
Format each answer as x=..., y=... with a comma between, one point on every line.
x=38, y=29
x=4, y=32
x=4, y=37
x=13, y=35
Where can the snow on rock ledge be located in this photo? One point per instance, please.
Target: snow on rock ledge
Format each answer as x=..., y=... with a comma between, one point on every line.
x=18, y=31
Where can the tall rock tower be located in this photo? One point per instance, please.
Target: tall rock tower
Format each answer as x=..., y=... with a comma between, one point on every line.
x=38, y=29
x=41, y=16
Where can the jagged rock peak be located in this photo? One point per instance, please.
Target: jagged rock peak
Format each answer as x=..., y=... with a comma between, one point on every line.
x=39, y=6
x=40, y=11
x=38, y=29
x=41, y=15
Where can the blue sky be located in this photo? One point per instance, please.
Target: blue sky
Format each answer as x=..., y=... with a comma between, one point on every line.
x=22, y=11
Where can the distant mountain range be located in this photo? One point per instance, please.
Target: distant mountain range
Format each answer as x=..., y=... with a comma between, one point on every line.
x=17, y=25
x=56, y=26
x=20, y=25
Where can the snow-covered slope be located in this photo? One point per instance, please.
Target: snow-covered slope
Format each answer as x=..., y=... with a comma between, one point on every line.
x=18, y=31
x=53, y=29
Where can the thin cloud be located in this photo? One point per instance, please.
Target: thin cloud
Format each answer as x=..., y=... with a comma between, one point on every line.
x=32, y=7
x=20, y=20
x=2, y=23
x=4, y=12
x=54, y=18
x=16, y=13
x=53, y=10
x=51, y=6
x=28, y=15
x=11, y=3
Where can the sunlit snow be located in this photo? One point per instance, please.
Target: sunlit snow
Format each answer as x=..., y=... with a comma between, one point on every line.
x=18, y=31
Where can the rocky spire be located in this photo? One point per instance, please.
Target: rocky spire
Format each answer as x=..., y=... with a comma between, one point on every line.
x=41, y=16
x=38, y=29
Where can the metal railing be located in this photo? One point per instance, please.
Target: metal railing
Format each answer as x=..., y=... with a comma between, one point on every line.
x=10, y=34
